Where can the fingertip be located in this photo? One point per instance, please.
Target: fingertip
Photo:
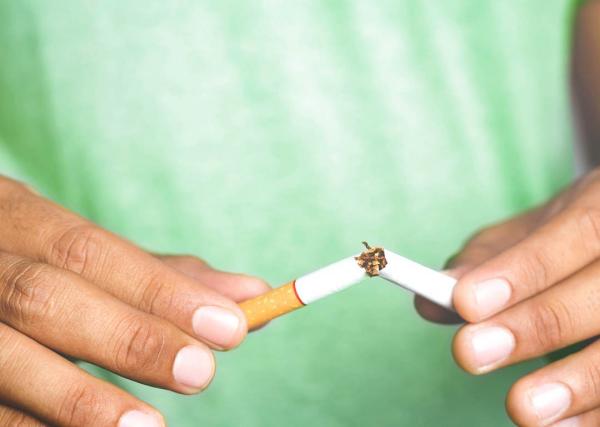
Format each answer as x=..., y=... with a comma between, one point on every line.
x=235, y=286
x=460, y=351
x=479, y=297
x=534, y=401
x=252, y=286
x=474, y=297
x=463, y=298
x=464, y=301
x=516, y=406
x=222, y=327
x=160, y=418
x=136, y=418
x=194, y=368
x=479, y=349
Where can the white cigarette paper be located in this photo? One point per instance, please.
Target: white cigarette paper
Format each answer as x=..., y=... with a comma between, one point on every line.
x=431, y=284
x=410, y=275
x=329, y=280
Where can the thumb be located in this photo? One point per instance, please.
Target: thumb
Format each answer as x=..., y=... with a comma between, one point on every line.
x=238, y=287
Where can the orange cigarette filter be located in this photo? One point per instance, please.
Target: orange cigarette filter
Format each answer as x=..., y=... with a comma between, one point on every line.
x=274, y=303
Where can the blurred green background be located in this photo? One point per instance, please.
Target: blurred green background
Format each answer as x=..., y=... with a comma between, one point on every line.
x=271, y=138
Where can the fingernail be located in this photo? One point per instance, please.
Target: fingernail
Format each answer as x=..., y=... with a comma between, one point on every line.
x=193, y=367
x=140, y=419
x=491, y=296
x=549, y=401
x=569, y=422
x=215, y=324
x=491, y=345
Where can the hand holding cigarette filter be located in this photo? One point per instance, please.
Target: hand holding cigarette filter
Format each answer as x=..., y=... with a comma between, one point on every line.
x=374, y=261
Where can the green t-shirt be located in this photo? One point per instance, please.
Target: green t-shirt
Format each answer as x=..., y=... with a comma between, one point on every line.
x=272, y=138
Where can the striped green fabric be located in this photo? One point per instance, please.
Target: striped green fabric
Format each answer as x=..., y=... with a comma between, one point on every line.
x=271, y=138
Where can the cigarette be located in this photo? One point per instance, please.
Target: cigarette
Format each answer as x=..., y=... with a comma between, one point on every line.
x=338, y=276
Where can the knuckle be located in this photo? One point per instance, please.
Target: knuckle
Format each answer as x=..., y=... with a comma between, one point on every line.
x=156, y=295
x=139, y=345
x=27, y=291
x=551, y=324
x=514, y=401
x=16, y=419
x=14, y=202
x=76, y=248
x=535, y=269
x=591, y=375
x=81, y=406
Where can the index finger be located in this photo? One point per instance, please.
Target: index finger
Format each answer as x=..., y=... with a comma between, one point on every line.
x=484, y=245
x=39, y=229
x=551, y=253
x=44, y=384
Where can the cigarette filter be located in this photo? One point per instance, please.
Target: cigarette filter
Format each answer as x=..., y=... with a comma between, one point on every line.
x=401, y=271
x=302, y=291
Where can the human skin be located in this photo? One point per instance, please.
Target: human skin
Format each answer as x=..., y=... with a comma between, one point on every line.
x=531, y=285
x=585, y=77
x=71, y=289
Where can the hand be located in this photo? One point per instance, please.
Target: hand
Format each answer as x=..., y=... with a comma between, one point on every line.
x=527, y=287
x=69, y=288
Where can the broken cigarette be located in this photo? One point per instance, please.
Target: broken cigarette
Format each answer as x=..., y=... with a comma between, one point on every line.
x=374, y=261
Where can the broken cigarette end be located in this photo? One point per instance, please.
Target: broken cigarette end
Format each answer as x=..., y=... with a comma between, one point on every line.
x=372, y=260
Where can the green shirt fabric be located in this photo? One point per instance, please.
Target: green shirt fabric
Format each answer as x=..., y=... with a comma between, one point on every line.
x=272, y=138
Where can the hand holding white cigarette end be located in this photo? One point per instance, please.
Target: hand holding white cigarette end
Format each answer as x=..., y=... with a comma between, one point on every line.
x=529, y=286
